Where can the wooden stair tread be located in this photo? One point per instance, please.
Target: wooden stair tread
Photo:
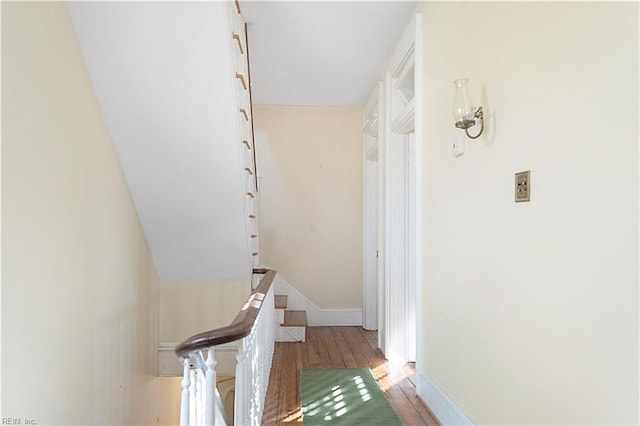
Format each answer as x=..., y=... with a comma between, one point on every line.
x=281, y=301
x=295, y=319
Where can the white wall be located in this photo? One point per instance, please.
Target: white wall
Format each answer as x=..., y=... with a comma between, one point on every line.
x=191, y=307
x=80, y=290
x=531, y=309
x=310, y=163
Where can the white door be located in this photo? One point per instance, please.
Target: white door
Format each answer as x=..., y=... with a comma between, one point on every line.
x=401, y=259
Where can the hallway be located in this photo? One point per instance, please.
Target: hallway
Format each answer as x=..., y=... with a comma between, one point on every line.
x=339, y=347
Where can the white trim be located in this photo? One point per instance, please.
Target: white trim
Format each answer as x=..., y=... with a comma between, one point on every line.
x=370, y=147
x=315, y=315
x=419, y=150
x=370, y=241
x=405, y=121
x=370, y=108
x=381, y=213
x=386, y=212
x=403, y=45
x=370, y=115
x=440, y=404
x=401, y=261
x=370, y=214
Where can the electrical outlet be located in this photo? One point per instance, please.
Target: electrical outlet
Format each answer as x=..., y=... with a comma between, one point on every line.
x=523, y=186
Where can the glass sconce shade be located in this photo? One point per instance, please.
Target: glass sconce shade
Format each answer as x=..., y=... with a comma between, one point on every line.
x=464, y=112
x=463, y=109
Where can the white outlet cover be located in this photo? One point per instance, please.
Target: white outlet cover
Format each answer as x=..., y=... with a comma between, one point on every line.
x=457, y=146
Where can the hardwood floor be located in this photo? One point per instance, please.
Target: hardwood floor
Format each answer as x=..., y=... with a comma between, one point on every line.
x=339, y=347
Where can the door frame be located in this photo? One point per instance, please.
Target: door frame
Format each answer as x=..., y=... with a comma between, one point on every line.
x=403, y=203
x=410, y=43
x=371, y=133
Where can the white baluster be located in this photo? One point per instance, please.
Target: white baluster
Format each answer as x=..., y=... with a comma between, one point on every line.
x=193, y=399
x=242, y=390
x=255, y=372
x=200, y=397
x=210, y=394
x=204, y=397
x=262, y=359
x=250, y=360
x=266, y=333
x=184, y=408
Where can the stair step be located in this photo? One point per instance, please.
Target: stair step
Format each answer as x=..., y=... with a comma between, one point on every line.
x=281, y=301
x=295, y=319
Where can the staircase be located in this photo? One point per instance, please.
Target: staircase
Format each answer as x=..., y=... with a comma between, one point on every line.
x=293, y=323
x=292, y=328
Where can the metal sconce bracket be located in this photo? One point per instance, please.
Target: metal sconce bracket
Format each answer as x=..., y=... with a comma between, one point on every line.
x=465, y=124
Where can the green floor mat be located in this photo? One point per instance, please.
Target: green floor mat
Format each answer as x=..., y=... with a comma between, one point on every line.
x=343, y=396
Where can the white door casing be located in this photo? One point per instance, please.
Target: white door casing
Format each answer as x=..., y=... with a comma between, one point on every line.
x=402, y=200
x=370, y=207
x=399, y=175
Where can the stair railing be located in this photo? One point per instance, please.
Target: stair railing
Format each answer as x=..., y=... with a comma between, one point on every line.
x=254, y=329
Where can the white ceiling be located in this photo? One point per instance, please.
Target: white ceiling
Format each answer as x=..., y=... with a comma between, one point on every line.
x=320, y=52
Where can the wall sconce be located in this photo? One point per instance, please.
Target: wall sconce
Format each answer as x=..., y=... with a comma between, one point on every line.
x=463, y=110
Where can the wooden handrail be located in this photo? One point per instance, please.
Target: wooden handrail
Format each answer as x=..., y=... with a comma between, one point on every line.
x=240, y=326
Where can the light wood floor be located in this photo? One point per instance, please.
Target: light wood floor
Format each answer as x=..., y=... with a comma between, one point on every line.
x=339, y=347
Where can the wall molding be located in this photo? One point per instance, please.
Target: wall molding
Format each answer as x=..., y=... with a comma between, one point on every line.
x=439, y=403
x=315, y=315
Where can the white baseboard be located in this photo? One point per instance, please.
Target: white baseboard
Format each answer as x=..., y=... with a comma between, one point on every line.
x=315, y=315
x=441, y=406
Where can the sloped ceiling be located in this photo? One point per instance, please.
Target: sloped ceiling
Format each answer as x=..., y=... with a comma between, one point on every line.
x=161, y=75
x=321, y=52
